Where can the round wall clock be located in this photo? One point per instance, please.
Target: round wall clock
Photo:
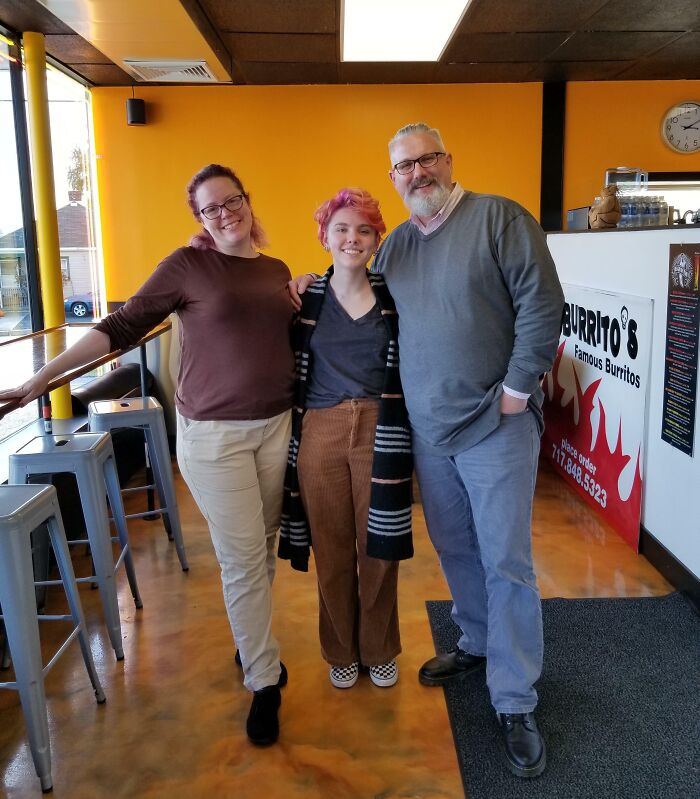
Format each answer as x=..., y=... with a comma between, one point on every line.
x=680, y=128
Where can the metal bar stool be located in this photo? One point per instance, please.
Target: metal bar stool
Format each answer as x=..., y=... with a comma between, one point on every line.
x=146, y=413
x=90, y=457
x=22, y=510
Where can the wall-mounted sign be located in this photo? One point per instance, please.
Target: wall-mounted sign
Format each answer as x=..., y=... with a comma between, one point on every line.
x=681, y=364
x=595, y=402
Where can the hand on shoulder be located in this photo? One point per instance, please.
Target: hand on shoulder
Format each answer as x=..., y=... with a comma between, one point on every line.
x=297, y=286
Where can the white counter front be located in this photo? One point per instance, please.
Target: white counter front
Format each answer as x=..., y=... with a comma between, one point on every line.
x=637, y=262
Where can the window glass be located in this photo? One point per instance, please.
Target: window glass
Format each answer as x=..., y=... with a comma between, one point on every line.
x=81, y=263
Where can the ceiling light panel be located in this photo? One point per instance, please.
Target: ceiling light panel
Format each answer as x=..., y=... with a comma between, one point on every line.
x=398, y=30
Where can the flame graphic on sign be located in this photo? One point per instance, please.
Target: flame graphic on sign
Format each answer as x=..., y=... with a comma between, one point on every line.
x=623, y=514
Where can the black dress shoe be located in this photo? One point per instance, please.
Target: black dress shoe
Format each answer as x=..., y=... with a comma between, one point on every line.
x=525, y=750
x=263, y=726
x=283, y=670
x=443, y=668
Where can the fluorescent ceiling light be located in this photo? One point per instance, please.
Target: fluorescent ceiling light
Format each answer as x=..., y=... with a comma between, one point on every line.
x=398, y=30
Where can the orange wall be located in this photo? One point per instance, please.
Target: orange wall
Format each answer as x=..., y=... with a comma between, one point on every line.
x=293, y=147
x=612, y=124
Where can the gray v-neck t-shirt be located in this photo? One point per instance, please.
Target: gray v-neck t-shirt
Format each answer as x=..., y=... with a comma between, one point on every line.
x=348, y=356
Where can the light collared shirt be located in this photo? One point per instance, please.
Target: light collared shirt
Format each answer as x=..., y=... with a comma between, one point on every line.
x=433, y=224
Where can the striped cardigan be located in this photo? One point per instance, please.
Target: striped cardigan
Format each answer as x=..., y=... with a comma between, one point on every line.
x=389, y=524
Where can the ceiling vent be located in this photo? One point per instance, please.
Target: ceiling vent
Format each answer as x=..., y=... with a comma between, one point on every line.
x=170, y=71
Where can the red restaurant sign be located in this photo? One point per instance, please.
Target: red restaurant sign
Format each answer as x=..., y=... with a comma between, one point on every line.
x=595, y=403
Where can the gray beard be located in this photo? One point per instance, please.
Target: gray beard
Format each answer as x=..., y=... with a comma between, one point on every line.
x=427, y=205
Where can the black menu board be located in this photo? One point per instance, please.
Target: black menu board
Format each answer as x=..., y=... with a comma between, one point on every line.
x=682, y=329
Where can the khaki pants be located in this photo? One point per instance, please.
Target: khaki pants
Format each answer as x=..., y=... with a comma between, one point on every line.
x=235, y=471
x=358, y=606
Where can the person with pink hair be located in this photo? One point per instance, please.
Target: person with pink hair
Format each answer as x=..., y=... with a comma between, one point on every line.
x=233, y=399
x=348, y=481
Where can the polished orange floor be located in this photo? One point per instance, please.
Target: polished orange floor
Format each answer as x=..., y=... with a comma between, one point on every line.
x=173, y=724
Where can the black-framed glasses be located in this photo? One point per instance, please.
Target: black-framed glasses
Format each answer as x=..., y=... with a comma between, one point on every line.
x=214, y=211
x=426, y=160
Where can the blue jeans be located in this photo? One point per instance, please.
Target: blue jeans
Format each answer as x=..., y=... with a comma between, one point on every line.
x=478, y=508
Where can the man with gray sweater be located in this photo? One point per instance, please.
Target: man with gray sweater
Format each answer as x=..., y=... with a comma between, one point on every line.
x=479, y=306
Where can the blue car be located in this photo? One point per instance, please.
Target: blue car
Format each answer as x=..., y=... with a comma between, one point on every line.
x=81, y=306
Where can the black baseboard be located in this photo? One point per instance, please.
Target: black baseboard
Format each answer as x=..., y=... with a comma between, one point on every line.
x=670, y=567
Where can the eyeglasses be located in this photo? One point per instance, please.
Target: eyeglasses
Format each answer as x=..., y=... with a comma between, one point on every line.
x=407, y=166
x=214, y=211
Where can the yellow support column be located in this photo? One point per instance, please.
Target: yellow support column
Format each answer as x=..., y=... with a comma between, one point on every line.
x=45, y=200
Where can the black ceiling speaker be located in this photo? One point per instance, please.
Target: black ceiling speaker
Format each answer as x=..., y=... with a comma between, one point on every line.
x=135, y=111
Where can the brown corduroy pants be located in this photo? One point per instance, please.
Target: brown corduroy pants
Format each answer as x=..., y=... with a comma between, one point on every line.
x=358, y=606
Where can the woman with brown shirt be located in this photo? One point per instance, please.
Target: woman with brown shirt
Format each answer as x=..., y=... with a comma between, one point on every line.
x=234, y=393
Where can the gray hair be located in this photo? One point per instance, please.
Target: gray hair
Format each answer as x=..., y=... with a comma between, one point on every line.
x=417, y=127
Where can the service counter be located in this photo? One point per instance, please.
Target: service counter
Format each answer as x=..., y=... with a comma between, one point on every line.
x=636, y=262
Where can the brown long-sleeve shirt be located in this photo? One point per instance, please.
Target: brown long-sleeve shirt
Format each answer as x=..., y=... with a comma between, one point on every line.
x=235, y=314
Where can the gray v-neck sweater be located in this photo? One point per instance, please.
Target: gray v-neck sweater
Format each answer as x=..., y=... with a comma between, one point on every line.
x=479, y=304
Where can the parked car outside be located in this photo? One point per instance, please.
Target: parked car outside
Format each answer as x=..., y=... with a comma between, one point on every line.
x=81, y=306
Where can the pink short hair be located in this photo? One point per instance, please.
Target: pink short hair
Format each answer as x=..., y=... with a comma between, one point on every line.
x=360, y=200
x=203, y=240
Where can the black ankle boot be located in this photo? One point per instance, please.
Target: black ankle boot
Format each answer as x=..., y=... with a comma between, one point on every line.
x=283, y=670
x=525, y=751
x=448, y=666
x=263, y=726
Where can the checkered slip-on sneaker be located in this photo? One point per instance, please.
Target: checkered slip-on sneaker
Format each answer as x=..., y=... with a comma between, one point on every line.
x=385, y=675
x=344, y=676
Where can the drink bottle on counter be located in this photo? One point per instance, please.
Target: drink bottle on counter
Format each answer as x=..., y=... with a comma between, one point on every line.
x=655, y=210
x=635, y=213
x=625, y=219
x=46, y=415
